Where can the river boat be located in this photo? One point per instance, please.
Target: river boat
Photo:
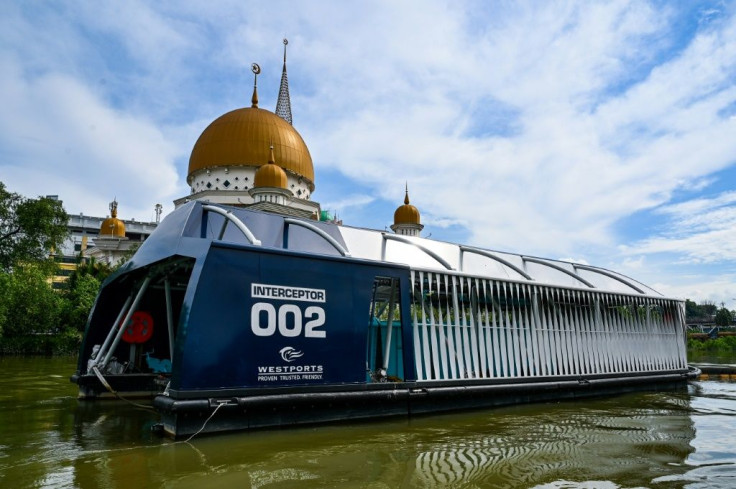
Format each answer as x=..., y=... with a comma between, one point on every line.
x=231, y=318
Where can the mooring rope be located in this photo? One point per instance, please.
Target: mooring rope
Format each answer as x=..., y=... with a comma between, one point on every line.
x=114, y=392
x=143, y=406
x=205, y=422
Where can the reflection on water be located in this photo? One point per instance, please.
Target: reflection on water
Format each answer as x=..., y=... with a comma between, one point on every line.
x=523, y=446
x=722, y=357
x=672, y=439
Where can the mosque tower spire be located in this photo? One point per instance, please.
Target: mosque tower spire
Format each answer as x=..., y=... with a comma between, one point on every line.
x=283, y=105
x=256, y=71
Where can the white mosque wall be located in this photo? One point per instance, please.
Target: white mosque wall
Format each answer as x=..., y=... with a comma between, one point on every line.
x=240, y=178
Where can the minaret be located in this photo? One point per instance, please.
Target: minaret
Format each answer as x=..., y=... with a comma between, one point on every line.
x=407, y=220
x=283, y=105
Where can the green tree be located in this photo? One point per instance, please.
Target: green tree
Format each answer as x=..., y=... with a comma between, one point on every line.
x=78, y=301
x=708, y=308
x=691, y=309
x=29, y=304
x=5, y=280
x=80, y=292
x=723, y=317
x=90, y=266
x=30, y=229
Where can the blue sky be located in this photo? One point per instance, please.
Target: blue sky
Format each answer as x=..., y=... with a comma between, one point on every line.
x=603, y=132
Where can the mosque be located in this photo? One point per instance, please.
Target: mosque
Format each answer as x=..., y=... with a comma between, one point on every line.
x=255, y=158
x=249, y=157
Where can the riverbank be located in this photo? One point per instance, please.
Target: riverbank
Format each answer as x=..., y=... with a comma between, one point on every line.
x=65, y=344
x=698, y=342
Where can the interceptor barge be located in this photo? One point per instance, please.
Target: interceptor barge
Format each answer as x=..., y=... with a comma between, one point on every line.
x=266, y=320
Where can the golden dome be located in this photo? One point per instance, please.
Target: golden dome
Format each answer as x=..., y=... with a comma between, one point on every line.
x=407, y=213
x=270, y=174
x=112, y=227
x=243, y=136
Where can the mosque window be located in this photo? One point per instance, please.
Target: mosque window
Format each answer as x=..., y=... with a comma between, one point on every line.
x=217, y=179
x=246, y=179
x=236, y=187
x=236, y=179
x=226, y=183
x=209, y=185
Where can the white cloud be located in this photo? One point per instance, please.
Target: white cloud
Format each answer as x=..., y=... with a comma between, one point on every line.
x=439, y=222
x=347, y=202
x=718, y=289
x=711, y=246
x=576, y=174
x=692, y=207
x=575, y=260
x=631, y=263
x=538, y=126
x=57, y=133
x=701, y=230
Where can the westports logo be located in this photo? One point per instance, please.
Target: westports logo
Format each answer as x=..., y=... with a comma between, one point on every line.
x=289, y=354
x=289, y=373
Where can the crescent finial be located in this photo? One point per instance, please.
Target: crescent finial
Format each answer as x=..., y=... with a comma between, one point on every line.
x=256, y=70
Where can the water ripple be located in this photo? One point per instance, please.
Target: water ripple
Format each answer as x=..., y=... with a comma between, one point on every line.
x=680, y=439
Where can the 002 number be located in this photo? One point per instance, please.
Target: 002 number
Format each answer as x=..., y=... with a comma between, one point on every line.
x=265, y=319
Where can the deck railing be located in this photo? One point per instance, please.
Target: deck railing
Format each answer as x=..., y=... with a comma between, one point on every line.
x=466, y=327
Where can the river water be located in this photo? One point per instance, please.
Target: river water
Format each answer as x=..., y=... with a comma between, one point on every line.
x=685, y=438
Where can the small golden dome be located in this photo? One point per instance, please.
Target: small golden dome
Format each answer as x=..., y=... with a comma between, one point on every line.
x=242, y=137
x=112, y=227
x=407, y=213
x=270, y=174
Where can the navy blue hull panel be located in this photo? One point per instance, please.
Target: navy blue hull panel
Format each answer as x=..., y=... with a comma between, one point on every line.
x=274, y=319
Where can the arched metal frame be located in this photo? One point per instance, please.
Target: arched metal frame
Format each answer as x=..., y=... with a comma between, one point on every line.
x=230, y=217
x=558, y=268
x=608, y=274
x=306, y=225
x=488, y=254
x=342, y=249
x=400, y=239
